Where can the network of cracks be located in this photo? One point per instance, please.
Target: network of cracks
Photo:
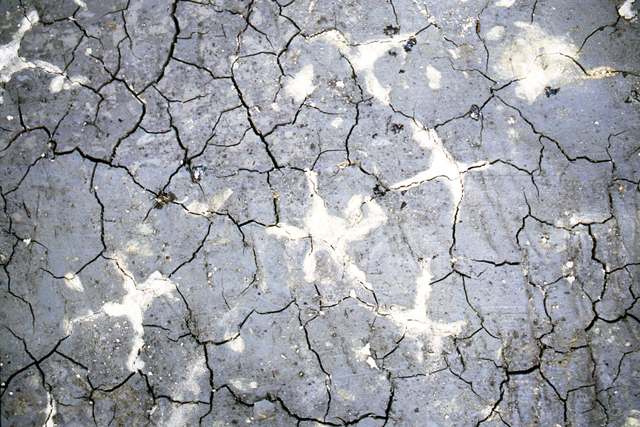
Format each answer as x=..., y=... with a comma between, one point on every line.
x=315, y=212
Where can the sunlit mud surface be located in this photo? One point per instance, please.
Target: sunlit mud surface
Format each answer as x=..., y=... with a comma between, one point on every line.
x=315, y=212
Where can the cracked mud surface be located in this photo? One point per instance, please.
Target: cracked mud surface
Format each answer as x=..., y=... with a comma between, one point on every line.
x=315, y=212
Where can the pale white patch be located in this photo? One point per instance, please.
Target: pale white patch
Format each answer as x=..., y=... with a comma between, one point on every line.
x=80, y=3
x=213, y=205
x=242, y=384
x=219, y=199
x=572, y=217
x=422, y=9
x=364, y=352
x=467, y=25
x=51, y=410
x=567, y=270
x=372, y=363
x=56, y=85
x=495, y=33
x=312, y=6
x=364, y=60
x=415, y=320
x=333, y=234
x=72, y=281
x=11, y=62
x=434, y=77
x=442, y=163
x=74, y=81
x=301, y=85
x=626, y=10
x=236, y=345
x=287, y=231
x=633, y=418
x=198, y=207
x=133, y=305
x=364, y=56
x=337, y=122
x=505, y=3
x=535, y=57
x=68, y=325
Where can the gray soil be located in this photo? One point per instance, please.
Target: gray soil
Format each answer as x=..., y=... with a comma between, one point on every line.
x=320, y=212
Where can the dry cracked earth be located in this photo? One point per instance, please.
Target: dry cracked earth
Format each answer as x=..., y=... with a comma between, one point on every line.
x=316, y=212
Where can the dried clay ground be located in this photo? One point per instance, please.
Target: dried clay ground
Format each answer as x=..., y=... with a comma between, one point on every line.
x=316, y=212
